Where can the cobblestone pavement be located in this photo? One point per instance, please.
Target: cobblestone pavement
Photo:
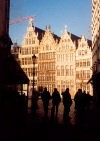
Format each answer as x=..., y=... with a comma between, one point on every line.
x=16, y=125
x=38, y=128
x=45, y=130
x=40, y=113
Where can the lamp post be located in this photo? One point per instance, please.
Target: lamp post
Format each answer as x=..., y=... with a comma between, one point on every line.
x=34, y=61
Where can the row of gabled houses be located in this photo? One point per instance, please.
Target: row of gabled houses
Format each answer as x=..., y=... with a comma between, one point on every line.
x=61, y=62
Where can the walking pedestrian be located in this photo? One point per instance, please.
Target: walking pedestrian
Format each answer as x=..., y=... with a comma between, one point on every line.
x=45, y=98
x=79, y=104
x=56, y=99
x=67, y=102
x=35, y=96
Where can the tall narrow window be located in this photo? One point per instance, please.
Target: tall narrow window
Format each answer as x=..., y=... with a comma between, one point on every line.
x=62, y=70
x=67, y=70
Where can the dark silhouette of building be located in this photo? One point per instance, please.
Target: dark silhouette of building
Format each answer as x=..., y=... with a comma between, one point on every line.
x=10, y=71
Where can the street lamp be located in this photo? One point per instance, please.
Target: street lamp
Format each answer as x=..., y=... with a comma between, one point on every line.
x=34, y=61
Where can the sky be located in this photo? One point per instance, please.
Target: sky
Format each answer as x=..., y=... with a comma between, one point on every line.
x=76, y=14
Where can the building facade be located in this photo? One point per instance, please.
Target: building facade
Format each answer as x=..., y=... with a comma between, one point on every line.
x=65, y=63
x=96, y=35
x=96, y=49
x=55, y=65
x=83, y=65
x=29, y=47
x=46, y=60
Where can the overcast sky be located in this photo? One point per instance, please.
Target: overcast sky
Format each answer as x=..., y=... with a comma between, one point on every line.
x=76, y=14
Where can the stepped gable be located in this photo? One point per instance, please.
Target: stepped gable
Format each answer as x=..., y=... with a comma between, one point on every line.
x=76, y=38
x=73, y=37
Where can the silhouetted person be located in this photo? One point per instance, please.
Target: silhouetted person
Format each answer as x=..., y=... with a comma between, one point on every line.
x=45, y=98
x=79, y=104
x=79, y=100
x=35, y=96
x=56, y=99
x=84, y=100
x=84, y=92
x=88, y=100
x=66, y=102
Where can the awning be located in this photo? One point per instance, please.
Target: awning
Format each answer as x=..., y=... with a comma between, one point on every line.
x=95, y=79
x=11, y=72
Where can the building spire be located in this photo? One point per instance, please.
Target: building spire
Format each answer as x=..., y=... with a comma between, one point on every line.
x=65, y=28
x=30, y=22
x=48, y=28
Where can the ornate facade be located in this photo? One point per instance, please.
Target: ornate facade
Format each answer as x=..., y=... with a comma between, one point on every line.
x=46, y=60
x=83, y=64
x=56, y=59
x=65, y=63
x=29, y=47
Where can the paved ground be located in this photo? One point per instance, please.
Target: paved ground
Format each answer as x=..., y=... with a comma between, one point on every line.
x=87, y=130
x=40, y=113
x=38, y=128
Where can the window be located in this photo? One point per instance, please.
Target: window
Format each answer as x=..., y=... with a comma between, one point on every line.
x=77, y=64
x=71, y=70
x=33, y=41
x=22, y=61
x=47, y=47
x=66, y=57
x=83, y=74
x=88, y=74
x=85, y=51
x=62, y=70
x=67, y=71
x=67, y=84
x=88, y=63
x=79, y=52
x=29, y=41
x=30, y=34
x=53, y=66
x=58, y=71
x=80, y=64
x=26, y=41
x=72, y=56
x=80, y=74
x=77, y=75
x=84, y=63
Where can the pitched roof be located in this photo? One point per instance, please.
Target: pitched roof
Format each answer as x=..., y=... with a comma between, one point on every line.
x=75, y=38
x=89, y=43
x=42, y=32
